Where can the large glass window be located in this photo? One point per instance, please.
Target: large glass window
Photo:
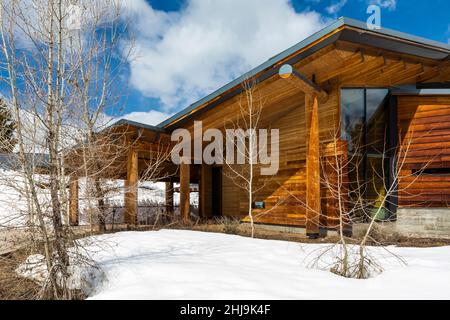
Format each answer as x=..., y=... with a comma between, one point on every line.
x=365, y=129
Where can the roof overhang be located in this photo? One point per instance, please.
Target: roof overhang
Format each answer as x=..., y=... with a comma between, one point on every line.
x=417, y=91
x=134, y=124
x=343, y=29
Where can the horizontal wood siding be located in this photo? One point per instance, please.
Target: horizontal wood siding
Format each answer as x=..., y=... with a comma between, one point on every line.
x=424, y=125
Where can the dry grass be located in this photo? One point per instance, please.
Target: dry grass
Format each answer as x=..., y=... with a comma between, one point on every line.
x=380, y=235
x=13, y=287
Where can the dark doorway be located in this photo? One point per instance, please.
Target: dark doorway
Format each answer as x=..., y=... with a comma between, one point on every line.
x=217, y=191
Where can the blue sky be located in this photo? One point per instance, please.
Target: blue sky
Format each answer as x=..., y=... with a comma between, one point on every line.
x=189, y=48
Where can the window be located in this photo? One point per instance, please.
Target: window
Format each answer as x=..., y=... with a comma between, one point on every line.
x=432, y=171
x=365, y=128
x=364, y=119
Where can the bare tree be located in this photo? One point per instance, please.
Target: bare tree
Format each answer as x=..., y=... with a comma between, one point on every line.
x=242, y=146
x=58, y=58
x=359, y=198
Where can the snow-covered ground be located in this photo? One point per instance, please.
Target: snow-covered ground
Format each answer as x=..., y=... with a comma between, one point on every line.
x=13, y=204
x=173, y=264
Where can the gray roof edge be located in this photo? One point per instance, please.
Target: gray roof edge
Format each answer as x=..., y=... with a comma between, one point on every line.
x=413, y=90
x=131, y=123
x=304, y=43
x=397, y=34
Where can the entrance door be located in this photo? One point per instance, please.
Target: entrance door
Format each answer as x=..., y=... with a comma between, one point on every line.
x=217, y=192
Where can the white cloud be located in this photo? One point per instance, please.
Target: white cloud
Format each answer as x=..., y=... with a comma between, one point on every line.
x=336, y=7
x=386, y=4
x=185, y=55
x=448, y=33
x=151, y=117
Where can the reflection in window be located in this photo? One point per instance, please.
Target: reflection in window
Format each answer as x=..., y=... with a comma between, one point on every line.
x=364, y=128
x=376, y=120
x=352, y=117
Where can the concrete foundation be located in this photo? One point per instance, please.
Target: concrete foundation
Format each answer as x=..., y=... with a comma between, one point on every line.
x=424, y=222
x=416, y=222
x=411, y=222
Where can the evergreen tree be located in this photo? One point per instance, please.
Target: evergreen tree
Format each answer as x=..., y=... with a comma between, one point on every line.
x=7, y=127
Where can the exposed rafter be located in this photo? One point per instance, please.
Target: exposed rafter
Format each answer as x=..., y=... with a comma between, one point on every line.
x=302, y=82
x=354, y=62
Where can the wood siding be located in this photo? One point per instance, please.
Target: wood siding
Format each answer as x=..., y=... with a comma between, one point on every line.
x=424, y=126
x=334, y=67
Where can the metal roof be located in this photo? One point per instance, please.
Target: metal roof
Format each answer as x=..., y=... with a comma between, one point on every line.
x=11, y=161
x=414, y=90
x=125, y=122
x=343, y=29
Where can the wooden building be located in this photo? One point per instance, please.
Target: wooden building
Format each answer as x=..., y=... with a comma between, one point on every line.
x=345, y=83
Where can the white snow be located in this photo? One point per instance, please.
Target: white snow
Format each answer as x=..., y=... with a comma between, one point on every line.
x=172, y=264
x=81, y=275
x=14, y=210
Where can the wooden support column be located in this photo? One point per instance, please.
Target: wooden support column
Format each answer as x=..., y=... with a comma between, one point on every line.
x=131, y=188
x=73, y=202
x=313, y=94
x=169, y=198
x=205, y=191
x=313, y=209
x=185, y=190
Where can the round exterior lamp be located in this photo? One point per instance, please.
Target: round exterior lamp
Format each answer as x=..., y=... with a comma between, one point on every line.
x=286, y=71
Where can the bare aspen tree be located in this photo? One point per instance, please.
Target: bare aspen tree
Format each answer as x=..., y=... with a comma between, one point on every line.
x=57, y=56
x=95, y=48
x=242, y=137
x=347, y=189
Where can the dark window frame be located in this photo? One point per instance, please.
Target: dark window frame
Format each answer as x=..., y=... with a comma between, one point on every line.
x=390, y=109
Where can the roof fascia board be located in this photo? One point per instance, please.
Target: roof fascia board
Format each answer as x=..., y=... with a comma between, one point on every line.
x=397, y=34
x=124, y=122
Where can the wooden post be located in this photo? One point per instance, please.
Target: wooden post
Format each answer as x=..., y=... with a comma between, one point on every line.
x=185, y=190
x=312, y=166
x=313, y=93
x=73, y=202
x=205, y=194
x=131, y=188
x=169, y=198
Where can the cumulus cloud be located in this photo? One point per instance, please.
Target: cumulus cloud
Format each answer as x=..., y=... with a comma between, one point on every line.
x=151, y=117
x=386, y=4
x=336, y=7
x=448, y=33
x=182, y=56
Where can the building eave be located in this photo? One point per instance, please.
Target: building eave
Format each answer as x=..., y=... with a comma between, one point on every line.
x=345, y=29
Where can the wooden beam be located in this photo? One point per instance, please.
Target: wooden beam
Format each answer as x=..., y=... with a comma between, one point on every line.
x=169, y=198
x=185, y=188
x=302, y=82
x=205, y=191
x=366, y=68
x=131, y=188
x=384, y=73
x=428, y=74
x=354, y=62
x=313, y=206
x=411, y=72
x=73, y=202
